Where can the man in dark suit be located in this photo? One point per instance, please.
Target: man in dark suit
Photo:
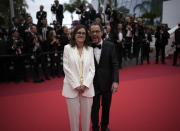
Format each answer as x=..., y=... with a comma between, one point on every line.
x=92, y=13
x=101, y=15
x=58, y=10
x=177, y=43
x=40, y=15
x=162, y=37
x=108, y=35
x=106, y=77
x=119, y=38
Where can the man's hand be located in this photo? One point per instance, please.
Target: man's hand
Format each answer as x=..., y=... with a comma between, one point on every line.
x=114, y=88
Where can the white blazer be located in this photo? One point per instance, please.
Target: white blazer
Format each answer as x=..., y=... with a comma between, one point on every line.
x=72, y=73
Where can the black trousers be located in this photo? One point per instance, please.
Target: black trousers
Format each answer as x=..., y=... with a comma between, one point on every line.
x=39, y=59
x=59, y=19
x=139, y=48
x=55, y=64
x=176, y=56
x=162, y=48
x=19, y=68
x=127, y=50
x=146, y=51
x=105, y=100
x=119, y=50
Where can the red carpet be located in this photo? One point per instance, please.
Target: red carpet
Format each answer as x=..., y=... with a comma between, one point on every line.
x=148, y=100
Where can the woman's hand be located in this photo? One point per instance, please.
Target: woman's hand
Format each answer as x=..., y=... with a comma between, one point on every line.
x=81, y=89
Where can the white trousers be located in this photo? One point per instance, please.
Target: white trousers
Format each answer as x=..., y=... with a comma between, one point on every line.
x=77, y=105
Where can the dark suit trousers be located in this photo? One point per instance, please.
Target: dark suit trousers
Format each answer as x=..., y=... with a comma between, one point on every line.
x=105, y=100
x=176, y=56
x=162, y=48
x=119, y=50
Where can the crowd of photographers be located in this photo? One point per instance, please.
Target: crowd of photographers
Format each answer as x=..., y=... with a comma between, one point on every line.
x=40, y=46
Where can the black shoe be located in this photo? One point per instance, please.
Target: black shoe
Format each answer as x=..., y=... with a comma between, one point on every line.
x=38, y=80
x=156, y=62
x=47, y=78
x=53, y=75
x=148, y=62
x=163, y=63
x=95, y=129
x=176, y=65
x=58, y=75
x=26, y=80
x=17, y=80
x=105, y=129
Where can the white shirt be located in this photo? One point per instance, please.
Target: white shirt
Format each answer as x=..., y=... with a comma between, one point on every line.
x=97, y=52
x=129, y=34
x=120, y=36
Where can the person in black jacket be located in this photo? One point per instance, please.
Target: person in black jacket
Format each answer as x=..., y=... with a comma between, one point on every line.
x=146, y=44
x=84, y=15
x=35, y=49
x=14, y=25
x=3, y=51
x=108, y=35
x=92, y=14
x=106, y=77
x=15, y=46
x=101, y=15
x=58, y=10
x=54, y=48
x=109, y=11
x=162, y=37
x=119, y=39
x=40, y=15
x=177, y=43
x=128, y=41
x=138, y=36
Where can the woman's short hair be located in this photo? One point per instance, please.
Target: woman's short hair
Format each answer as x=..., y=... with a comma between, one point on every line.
x=73, y=42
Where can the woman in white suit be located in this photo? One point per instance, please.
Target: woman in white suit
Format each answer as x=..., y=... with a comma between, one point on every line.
x=78, y=65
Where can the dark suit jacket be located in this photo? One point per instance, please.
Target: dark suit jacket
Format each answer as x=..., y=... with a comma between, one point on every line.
x=111, y=37
x=161, y=39
x=177, y=36
x=59, y=12
x=40, y=16
x=116, y=36
x=98, y=15
x=107, y=70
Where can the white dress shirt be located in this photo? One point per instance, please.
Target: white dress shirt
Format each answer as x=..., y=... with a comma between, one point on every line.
x=120, y=36
x=97, y=52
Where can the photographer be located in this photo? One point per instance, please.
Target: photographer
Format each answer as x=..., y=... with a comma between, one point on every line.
x=84, y=16
x=35, y=49
x=57, y=9
x=92, y=13
x=162, y=37
x=108, y=11
x=16, y=47
x=177, y=43
x=54, y=48
x=146, y=44
x=40, y=15
x=3, y=51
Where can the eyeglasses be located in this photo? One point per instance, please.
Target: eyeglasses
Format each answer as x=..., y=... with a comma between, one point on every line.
x=81, y=33
x=96, y=31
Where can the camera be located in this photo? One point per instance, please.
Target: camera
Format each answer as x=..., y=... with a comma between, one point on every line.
x=18, y=42
x=53, y=9
x=55, y=24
